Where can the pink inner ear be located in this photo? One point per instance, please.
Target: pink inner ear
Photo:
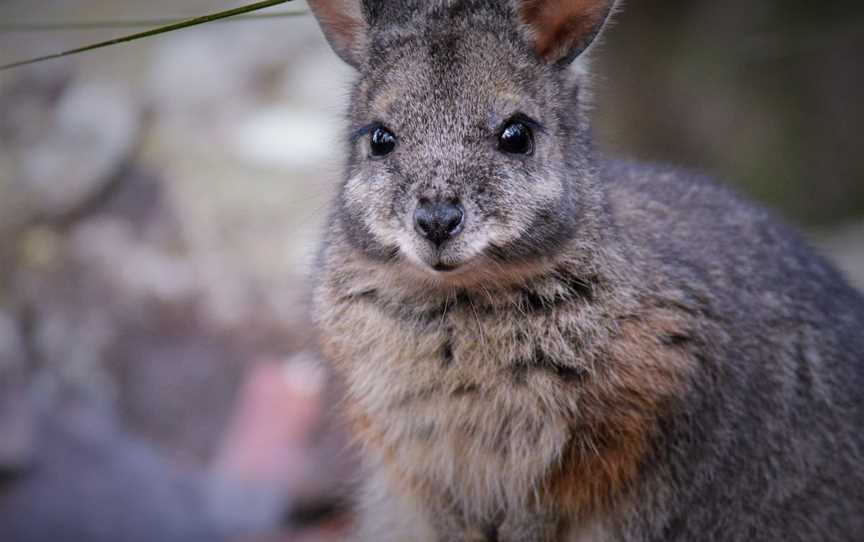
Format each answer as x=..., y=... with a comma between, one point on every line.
x=561, y=26
x=342, y=23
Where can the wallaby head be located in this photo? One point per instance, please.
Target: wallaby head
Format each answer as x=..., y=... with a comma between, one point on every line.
x=469, y=148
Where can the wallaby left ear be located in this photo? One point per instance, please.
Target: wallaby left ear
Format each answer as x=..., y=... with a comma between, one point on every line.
x=344, y=26
x=563, y=29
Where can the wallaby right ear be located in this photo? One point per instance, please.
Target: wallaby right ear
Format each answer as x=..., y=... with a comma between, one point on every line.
x=344, y=26
x=562, y=29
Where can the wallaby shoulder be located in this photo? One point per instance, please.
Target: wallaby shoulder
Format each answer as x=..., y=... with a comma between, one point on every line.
x=771, y=422
x=692, y=227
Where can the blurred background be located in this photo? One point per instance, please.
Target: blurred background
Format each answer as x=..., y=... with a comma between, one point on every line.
x=160, y=204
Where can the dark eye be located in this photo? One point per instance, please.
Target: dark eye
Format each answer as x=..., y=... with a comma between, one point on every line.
x=516, y=138
x=382, y=142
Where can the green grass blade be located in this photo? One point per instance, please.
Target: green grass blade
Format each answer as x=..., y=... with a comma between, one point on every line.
x=42, y=26
x=242, y=10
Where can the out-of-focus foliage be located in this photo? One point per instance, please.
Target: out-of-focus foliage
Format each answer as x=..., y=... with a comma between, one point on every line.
x=767, y=95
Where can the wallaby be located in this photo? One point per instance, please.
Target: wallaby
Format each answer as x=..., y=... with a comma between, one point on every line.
x=541, y=344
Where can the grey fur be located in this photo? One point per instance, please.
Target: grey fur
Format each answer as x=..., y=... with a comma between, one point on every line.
x=591, y=293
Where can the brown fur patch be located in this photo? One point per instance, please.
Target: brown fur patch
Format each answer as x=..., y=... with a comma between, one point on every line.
x=644, y=373
x=563, y=26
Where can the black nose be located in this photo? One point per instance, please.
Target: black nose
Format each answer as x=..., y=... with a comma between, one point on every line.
x=438, y=221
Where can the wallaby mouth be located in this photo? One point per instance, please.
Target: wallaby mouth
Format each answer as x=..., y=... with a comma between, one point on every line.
x=444, y=262
x=444, y=267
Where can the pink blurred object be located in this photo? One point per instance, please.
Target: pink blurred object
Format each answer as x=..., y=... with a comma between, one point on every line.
x=270, y=436
x=273, y=440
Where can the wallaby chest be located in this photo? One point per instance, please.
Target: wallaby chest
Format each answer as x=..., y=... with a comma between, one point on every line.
x=454, y=390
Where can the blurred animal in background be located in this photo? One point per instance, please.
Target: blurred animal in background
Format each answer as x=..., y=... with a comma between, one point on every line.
x=539, y=343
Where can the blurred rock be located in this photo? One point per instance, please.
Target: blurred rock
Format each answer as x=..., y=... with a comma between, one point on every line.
x=12, y=355
x=16, y=412
x=26, y=107
x=92, y=482
x=285, y=137
x=17, y=425
x=64, y=150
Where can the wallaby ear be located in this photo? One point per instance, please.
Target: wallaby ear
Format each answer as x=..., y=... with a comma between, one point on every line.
x=344, y=26
x=562, y=29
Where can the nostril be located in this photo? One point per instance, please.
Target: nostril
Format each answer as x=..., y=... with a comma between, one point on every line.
x=423, y=220
x=453, y=216
x=438, y=221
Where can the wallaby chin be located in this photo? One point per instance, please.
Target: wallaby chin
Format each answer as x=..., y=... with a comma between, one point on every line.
x=480, y=275
x=537, y=344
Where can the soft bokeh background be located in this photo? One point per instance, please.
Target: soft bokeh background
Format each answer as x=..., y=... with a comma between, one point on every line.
x=160, y=204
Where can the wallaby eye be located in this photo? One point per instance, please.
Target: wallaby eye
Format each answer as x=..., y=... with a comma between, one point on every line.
x=382, y=142
x=516, y=138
